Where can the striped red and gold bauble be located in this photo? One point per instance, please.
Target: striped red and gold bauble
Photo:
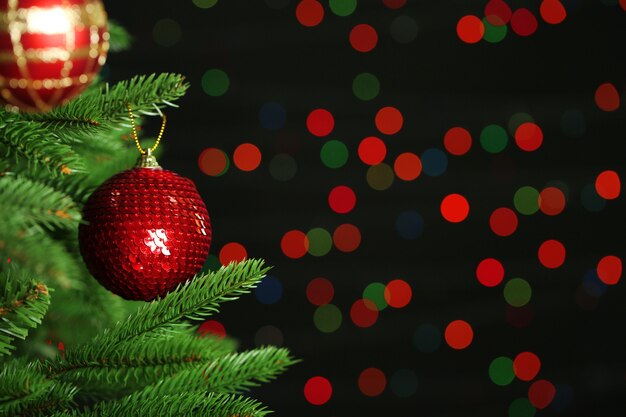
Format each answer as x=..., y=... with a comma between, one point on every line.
x=50, y=50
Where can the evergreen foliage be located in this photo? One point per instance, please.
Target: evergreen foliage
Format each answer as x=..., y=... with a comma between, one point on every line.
x=118, y=358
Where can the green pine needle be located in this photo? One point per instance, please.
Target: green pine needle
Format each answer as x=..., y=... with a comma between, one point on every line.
x=23, y=304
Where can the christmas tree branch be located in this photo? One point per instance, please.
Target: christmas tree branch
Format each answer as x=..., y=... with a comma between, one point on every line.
x=23, y=304
x=145, y=404
x=140, y=362
x=194, y=300
x=231, y=373
x=101, y=111
x=38, y=253
x=120, y=38
x=33, y=143
x=37, y=204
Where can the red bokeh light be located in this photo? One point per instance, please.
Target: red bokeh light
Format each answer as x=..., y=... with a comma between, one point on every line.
x=490, y=272
x=551, y=254
x=608, y=185
x=552, y=11
x=363, y=38
x=459, y=334
x=372, y=382
x=389, y=120
x=541, y=393
x=609, y=269
x=232, y=252
x=551, y=201
x=347, y=237
x=523, y=22
x=309, y=13
x=318, y=390
x=212, y=328
x=398, y=293
x=247, y=157
x=372, y=150
x=320, y=122
x=497, y=12
x=470, y=29
x=526, y=366
x=320, y=291
x=294, y=244
x=528, y=137
x=342, y=199
x=457, y=141
x=503, y=221
x=607, y=97
x=407, y=166
x=364, y=313
x=454, y=208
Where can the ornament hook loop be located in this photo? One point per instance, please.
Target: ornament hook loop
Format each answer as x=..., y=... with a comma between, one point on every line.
x=148, y=151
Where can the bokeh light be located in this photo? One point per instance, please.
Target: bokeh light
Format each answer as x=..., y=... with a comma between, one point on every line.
x=403, y=29
x=551, y=201
x=457, y=141
x=398, y=293
x=454, y=208
x=167, y=32
x=551, y=254
x=494, y=33
x=366, y=86
x=269, y=335
x=607, y=97
x=294, y=244
x=517, y=292
x=434, y=162
x=309, y=13
x=213, y=162
x=283, y=167
x=521, y=407
x=372, y=150
x=523, y=22
x=205, y=4
x=389, y=120
x=490, y=272
x=459, y=334
x=470, y=29
x=320, y=241
x=320, y=291
x=609, y=269
x=372, y=382
x=608, y=185
x=327, y=318
x=526, y=200
x=394, y=4
x=410, y=224
x=501, y=371
x=269, y=290
x=320, y=122
x=364, y=313
x=552, y=11
x=529, y=137
x=334, y=154
x=493, y=138
x=380, y=177
x=272, y=116
x=342, y=199
x=498, y=12
x=347, y=238
x=342, y=7
x=591, y=200
x=407, y=166
x=318, y=390
x=247, y=157
x=541, y=393
x=427, y=338
x=375, y=292
x=215, y=82
x=363, y=38
x=403, y=383
x=232, y=252
x=503, y=221
x=212, y=328
x=526, y=366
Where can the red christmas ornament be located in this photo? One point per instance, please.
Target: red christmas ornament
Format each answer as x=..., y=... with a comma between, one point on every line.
x=50, y=50
x=147, y=230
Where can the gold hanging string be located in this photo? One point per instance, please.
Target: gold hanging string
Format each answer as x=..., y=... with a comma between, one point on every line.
x=136, y=138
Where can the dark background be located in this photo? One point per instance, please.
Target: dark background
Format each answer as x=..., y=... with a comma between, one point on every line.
x=437, y=82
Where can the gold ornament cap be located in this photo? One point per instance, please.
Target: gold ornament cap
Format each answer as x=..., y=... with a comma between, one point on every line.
x=147, y=160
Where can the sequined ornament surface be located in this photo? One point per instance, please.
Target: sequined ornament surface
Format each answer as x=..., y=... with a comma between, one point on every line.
x=148, y=230
x=50, y=50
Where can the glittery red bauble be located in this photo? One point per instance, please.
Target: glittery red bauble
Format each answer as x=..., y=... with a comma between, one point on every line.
x=146, y=231
x=50, y=50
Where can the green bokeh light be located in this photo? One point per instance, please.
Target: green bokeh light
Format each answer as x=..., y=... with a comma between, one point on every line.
x=517, y=120
x=334, y=154
x=526, y=200
x=205, y=4
x=342, y=7
x=167, y=32
x=493, y=33
x=283, y=167
x=501, y=371
x=521, y=407
x=365, y=86
x=375, y=292
x=327, y=318
x=517, y=292
x=215, y=82
x=494, y=138
x=320, y=241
